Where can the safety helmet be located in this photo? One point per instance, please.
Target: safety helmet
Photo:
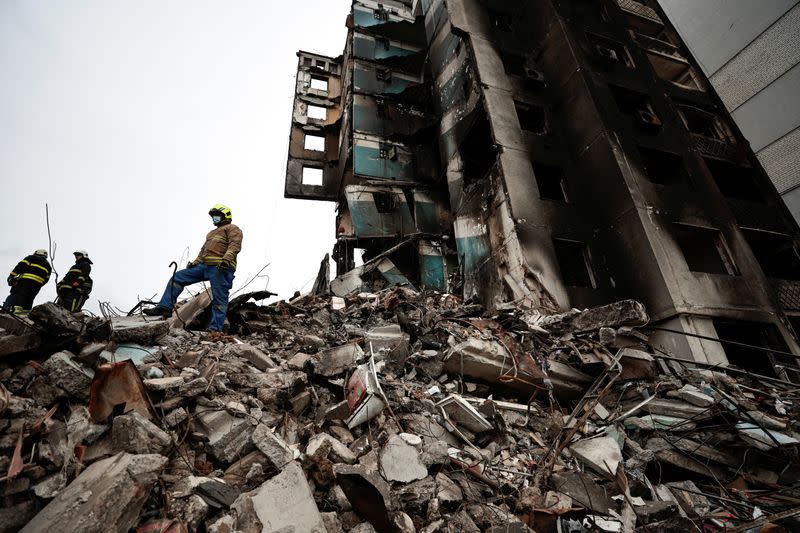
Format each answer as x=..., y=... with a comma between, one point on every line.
x=41, y=252
x=223, y=210
x=84, y=253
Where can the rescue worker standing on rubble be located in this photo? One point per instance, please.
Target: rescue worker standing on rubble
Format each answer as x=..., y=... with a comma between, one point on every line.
x=75, y=287
x=26, y=280
x=215, y=263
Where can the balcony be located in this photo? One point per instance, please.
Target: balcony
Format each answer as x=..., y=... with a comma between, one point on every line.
x=637, y=8
x=788, y=292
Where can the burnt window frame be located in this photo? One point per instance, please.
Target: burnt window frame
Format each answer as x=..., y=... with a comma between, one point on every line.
x=543, y=176
x=567, y=273
x=720, y=245
x=528, y=109
x=723, y=132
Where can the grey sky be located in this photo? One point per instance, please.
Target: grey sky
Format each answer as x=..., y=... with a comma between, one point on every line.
x=132, y=117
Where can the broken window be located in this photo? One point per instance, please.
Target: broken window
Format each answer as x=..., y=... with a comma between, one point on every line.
x=385, y=202
x=705, y=123
x=574, y=263
x=636, y=105
x=499, y=21
x=319, y=83
x=314, y=142
x=317, y=112
x=477, y=149
x=608, y=53
x=760, y=338
x=320, y=64
x=734, y=181
x=550, y=180
x=776, y=253
x=676, y=71
x=661, y=167
x=306, y=61
x=532, y=117
x=704, y=250
x=312, y=176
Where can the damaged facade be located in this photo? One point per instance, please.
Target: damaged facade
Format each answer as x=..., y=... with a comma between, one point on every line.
x=553, y=154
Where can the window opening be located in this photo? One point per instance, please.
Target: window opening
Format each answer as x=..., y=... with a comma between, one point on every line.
x=317, y=112
x=312, y=176
x=550, y=180
x=532, y=118
x=608, y=53
x=777, y=254
x=705, y=123
x=735, y=181
x=676, y=71
x=574, y=263
x=385, y=202
x=314, y=142
x=660, y=167
x=638, y=106
x=704, y=250
x=318, y=83
x=752, y=359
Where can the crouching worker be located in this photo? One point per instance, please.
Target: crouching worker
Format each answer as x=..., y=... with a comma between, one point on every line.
x=74, y=289
x=26, y=280
x=216, y=263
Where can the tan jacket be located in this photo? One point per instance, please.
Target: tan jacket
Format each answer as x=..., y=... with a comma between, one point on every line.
x=223, y=243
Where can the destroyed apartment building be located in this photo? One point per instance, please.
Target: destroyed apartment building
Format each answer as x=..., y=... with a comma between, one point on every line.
x=576, y=311
x=556, y=154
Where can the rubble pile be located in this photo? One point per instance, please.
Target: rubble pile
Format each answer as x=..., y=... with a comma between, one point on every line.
x=389, y=411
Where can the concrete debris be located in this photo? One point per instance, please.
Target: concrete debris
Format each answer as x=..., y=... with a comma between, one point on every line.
x=399, y=461
x=284, y=503
x=395, y=411
x=107, y=496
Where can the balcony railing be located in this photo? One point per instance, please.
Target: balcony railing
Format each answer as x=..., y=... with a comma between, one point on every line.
x=657, y=45
x=637, y=8
x=788, y=292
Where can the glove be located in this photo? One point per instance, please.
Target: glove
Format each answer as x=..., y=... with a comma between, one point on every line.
x=190, y=264
x=224, y=265
x=12, y=280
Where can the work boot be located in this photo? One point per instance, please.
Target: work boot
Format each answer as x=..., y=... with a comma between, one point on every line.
x=158, y=311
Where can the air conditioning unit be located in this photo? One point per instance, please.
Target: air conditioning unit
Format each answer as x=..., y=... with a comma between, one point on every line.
x=647, y=119
x=607, y=56
x=383, y=74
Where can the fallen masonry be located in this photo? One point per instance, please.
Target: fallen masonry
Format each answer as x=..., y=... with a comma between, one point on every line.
x=393, y=411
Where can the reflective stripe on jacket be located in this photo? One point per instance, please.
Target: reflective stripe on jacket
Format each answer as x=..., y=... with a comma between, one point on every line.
x=78, y=278
x=223, y=243
x=33, y=267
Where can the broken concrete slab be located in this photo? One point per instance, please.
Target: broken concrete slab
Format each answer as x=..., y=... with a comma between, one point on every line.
x=335, y=361
x=162, y=384
x=602, y=454
x=137, y=329
x=228, y=436
x=256, y=357
x=133, y=433
x=118, y=386
x=284, y=503
x=190, y=310
x=399, y=461
x=338, y=452
x=278, y=453
x=621, y=313
x=107, y=496
x=693, y=395
x=69, y=375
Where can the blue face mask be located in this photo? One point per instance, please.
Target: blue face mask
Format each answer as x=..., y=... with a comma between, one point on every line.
x=217, y=219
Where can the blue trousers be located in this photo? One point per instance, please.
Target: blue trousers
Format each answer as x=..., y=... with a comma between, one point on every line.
x=221, y=283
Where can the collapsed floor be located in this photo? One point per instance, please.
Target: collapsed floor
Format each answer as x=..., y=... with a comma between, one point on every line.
x=389, y=411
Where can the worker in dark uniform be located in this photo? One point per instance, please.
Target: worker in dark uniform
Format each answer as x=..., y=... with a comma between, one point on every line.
x=26, y=280
x=74, y=288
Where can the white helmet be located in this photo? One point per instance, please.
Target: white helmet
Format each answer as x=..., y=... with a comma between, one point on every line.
x=41, y=252
x=84, y=253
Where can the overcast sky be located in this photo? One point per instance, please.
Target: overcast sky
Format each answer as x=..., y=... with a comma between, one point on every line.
x=131, y=118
